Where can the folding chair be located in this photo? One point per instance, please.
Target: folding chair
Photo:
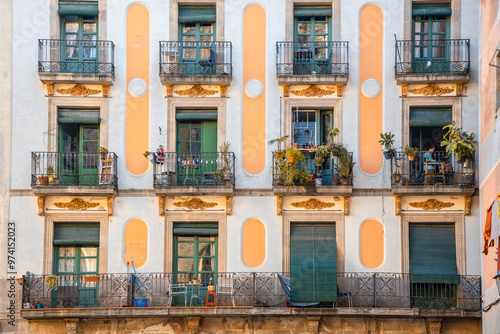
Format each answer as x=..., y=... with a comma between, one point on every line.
x=176, y=290
x=227, y=288
x=342, y=294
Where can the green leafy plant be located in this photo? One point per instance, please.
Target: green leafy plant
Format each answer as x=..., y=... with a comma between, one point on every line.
x=322, y=153
x=459, y=142
x=343, y=163
x=410, y=151
x=387, y=141
x=278, y=141
x=332, y=133
x=291, y=166
x=102, y=149
x=224, y=169
x=146, y=154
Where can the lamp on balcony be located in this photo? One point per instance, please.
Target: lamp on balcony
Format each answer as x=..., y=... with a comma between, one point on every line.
x=497, y=279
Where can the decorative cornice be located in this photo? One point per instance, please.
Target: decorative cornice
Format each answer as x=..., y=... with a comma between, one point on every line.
x=312, y=204
x=431, y=204
x=78, y=90
x=195, y=91
x=431, y=90
x=195, y=204
x=314, y=91
x=76, y=204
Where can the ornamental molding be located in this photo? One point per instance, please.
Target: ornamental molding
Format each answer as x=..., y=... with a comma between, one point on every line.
x=76, y=204
x=312, y=204
x=431, y=90
x=431, y=204
x=78, y=90
x=196, y=91
x=314, y=91
x=195, y=204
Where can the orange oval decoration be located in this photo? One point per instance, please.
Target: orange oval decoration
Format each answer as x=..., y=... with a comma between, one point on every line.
x=254, y=243
x=136, y=243
x=372, y=244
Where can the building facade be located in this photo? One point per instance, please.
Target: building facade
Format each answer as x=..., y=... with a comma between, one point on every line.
x=188, y=154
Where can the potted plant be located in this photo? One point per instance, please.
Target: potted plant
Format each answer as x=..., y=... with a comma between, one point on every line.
x=149, y=155
x=333, y=132
x=51, y=174
x=410, y=152
x=225, y=169
x=460, y=143
x=396, y=177
x=103, y=151
x=387, y=141
x=291, y=167
x=343, y=164
x=278, y=141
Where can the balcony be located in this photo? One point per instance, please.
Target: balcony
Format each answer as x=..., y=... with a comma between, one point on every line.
x=433, y=61
x=70, y=61
x=196, y=63
x=442, y=174
x=302, y=63
x=75, y=173
x=335, y=178
x=362, y=294
x=194, y=173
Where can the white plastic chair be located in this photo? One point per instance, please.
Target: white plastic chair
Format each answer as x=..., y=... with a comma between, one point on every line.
x=227, y=288
x=176, y=290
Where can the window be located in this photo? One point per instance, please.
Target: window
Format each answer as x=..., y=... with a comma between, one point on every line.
x=426, y=127
x=433, y=265
x=312, y=32
x=76, y=248
x=78, y=159
x=313, y=266
x=430, y=34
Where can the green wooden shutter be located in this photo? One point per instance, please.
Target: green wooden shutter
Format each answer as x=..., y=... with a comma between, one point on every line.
x=433, y=253
x=209, y=136
x=196, y=229
x=312, y=11
x=431, y=10
x=195, y=115
x=430, y=117
x=78, y=8
x=313, y=268
x=76, y=234
x=78, y=116
x=196, y=14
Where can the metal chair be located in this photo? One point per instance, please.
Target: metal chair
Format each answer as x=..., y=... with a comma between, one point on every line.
x=342, y=294
x=208, y=64
x=176, y=290
x=226, y=289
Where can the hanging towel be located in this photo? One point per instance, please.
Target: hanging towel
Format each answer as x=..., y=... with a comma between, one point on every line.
x=495, y=221
x=487, y=231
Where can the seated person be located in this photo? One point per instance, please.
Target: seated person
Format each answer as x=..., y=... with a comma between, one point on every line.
x=428, y=158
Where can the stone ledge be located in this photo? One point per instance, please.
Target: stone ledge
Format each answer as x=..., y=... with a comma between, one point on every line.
x=433, y=190
x=106, y=78
x=134, y=312
x=194, y=190
x=431, y=78
x=75, y=190
x=313, y=190
x=312, y=79
x=196, y=79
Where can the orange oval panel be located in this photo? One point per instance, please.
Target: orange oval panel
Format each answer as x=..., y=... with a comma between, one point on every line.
x=372, y=244
x=136, y=243
x=254, y=243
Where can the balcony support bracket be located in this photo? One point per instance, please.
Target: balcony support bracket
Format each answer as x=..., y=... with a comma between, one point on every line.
x=105, y=90
x=229, y=205
x=279, y=205
x=110, y=202
x=340, y=89
x=286, y=90
x=50, y=88
x=347, y=205
x=397, y=205
x=313, y=324
x=161, y=205
x=41, y=205
x=223, y=90
x=170, y=89
x=459, y=87
x=433, y=325
x=72, y=325
x=404, y=89
x=467, y=204
x=193, y=324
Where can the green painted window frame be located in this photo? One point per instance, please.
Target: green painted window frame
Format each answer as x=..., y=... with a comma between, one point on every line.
x=434, y=125
x=82, y=20
x=195, y=256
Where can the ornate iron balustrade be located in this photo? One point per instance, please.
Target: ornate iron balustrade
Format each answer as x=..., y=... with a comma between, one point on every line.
x=193, y=169
x=333, y=171
x=77, y=57
x=430, y=169
x=390, y=290
x=312, y=58
x=74, y=169
x=446, y=56
x=196, y=58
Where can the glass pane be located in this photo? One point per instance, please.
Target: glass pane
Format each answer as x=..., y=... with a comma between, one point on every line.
x=421, y=27
x=189, y=53
x=196, y=134
x=321, y=28
x=89, y=146
x=71, y=26
x=184, y=146
x=205, y=28
x=206, y=264
x=66, y=265
x=90, y=27
x=88, y=265
x=90, y=134
x=320, y=53
x=304, y=40
x=304, y=28
x=183, y=133
x=206, y=38
x=185, y=264
x=205, y=238
x=195, y=147
x=88, y=251
x=439, y=26
x=304, y=127
x=320, y=38
x=185, y=249
x=189, y=29
x=204, y=53
x=206, y=249
x=66, y=251
x=89, y=18
x=180, y=238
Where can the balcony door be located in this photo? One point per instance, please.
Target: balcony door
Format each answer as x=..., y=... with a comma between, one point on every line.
x=431, y=52
x=78, y=157
x=79, y=43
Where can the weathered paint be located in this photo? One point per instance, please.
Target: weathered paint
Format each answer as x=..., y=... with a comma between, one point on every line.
x=254, y=243
x=135, y=243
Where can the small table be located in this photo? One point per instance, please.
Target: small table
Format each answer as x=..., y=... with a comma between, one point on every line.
x=431, y=166
x=194, y=293
x=187, y=165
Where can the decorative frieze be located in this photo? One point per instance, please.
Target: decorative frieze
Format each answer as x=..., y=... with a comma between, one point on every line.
x=161, y=205
x=229, y=204
x=431, y=90
x=78, y=90
x=41, y=205
x=194, y=204
x=431, y=204
x=279, y=205
x=76, y=204
x=314, y=91
x=312, y=204
x=196, y=91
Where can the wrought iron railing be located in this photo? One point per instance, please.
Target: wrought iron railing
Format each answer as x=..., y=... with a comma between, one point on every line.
x=312, y=58
x=195, y=58
x=193, y=169
x=445, y=56
x=390, y=290
x=430, y=168
x=74, y=169
x=76, y=56
x=334, y=171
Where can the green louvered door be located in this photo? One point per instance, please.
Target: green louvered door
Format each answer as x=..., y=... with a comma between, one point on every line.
x=313, y=267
